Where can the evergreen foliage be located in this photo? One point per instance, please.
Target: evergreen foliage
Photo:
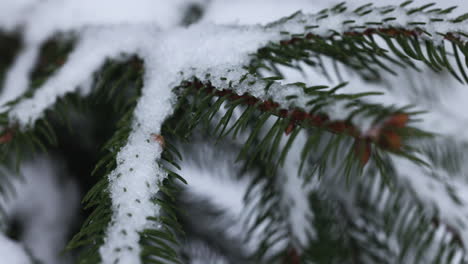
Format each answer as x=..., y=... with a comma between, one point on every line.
x=355, y=155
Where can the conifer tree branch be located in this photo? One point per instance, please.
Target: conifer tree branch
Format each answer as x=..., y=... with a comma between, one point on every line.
x=387, y=135
x=387, y=131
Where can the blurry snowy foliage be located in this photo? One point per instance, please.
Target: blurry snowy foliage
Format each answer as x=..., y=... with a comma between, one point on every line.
x=282, y=133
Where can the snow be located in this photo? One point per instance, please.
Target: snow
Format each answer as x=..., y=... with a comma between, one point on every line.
x=14, y=13
x=257, y=11
x=432, y=188
x=136, y=38
x=12, y=252
x=249, y=12
x=17, y=79
x=94, y=46
x=148, y=28
x=296, y=194
x=223, y=182
x=163, y=62
x=224, y=185
x=43, y=19
x=136, y=159
x=46, y=205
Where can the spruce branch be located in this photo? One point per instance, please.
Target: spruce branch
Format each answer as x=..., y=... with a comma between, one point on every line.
x=387, y=135
x=240, y=86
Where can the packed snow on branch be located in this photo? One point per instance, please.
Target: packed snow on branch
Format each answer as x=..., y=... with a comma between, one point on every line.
x=149, y=29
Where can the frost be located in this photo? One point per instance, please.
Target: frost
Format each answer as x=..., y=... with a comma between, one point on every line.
x=147, y=28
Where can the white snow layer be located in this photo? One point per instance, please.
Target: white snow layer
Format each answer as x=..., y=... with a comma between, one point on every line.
x=223, y=185
x=133, y=183
x=139, y=27
x=257, y=11
x=45, y=202
x=12, y=252
x=296, y=193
